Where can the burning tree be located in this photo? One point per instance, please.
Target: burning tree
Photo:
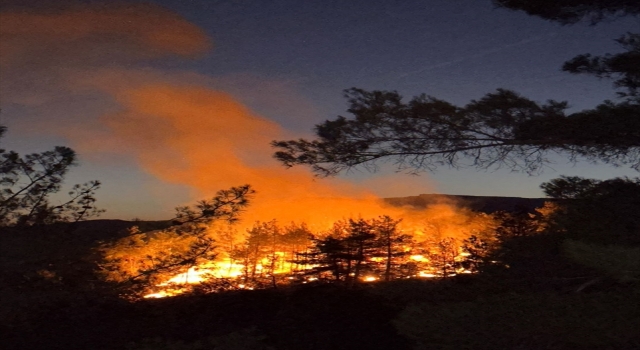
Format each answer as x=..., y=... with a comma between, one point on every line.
x=269, y=252
x=144, y=259
x=259, y=255
x=297, y=239
x=360, y=244
x=475, y=252
x=354, y=247
x=327, y=255
x=442, y=256
x=392, y=243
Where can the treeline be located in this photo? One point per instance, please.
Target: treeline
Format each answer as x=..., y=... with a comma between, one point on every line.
x=586, y=219
x=269, y=255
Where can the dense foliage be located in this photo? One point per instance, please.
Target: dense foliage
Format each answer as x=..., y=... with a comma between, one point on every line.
x=600, y=211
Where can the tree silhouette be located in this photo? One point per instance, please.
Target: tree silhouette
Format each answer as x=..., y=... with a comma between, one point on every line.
x=572, y=11
x=502, y=129
x=27, y=183
x=327, y=255
x=391, y=243
x=597, y=211
x=357, y=246
x=624, y=66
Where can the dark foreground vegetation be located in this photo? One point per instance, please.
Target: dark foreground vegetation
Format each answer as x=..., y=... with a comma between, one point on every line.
x=466, y=313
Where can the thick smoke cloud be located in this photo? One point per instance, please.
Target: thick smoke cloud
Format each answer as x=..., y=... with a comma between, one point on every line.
x=209, y=141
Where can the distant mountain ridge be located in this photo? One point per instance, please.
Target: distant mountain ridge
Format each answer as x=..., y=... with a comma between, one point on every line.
x=484, y=204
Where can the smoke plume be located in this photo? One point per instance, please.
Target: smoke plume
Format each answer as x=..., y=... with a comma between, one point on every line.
x=178, y=128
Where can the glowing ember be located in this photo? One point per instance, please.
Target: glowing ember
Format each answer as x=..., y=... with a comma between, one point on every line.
x=192, y=276
x=425, y=274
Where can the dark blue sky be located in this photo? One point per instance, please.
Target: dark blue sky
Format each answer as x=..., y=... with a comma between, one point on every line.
x=289, y=61
x=456, y=50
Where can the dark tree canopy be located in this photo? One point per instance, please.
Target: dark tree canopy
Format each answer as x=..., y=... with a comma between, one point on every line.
x=624, y=67
x=596, y=211
x=572, y=11
x=502, y=129
x=226, y=205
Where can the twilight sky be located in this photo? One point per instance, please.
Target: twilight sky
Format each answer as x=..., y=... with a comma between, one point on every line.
x=168, y=101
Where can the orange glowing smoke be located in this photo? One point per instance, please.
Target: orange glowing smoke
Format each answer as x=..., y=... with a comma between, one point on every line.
x=207, y=140
x=82, y=32
x=179, y=130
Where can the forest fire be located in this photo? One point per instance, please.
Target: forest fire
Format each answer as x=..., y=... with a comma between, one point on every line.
x=350, y=251
x=328, y=230
x=181, y=282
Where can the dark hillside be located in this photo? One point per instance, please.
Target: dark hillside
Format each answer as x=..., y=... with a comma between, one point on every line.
x=42, y=261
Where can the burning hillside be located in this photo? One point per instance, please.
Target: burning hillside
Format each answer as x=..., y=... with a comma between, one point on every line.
x=207, y=140
x=205, y=252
